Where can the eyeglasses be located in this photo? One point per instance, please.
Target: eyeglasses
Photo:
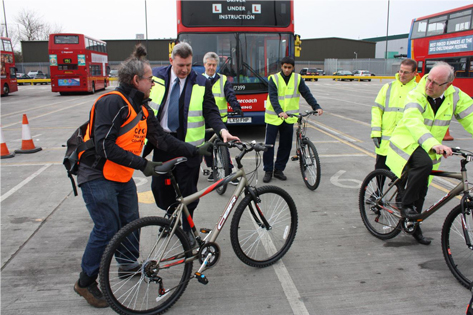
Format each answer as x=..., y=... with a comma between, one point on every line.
x=405, y=72
x=150, y=79
x=435, y=83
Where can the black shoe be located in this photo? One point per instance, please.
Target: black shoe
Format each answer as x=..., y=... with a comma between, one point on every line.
x=211, y=177
x=279, y=175
x=371, y=200
x=235, y=182
x=123, y=273
x=420, y=238
x=91, y=294
x=410, y=213
x=267, y=176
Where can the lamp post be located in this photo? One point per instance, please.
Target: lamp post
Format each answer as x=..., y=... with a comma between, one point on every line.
x=146, y=21
x=387, y=32
x=356, y=55
x=5, y=16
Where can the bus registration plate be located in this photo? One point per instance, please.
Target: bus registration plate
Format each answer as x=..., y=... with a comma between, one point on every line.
x=239, y=120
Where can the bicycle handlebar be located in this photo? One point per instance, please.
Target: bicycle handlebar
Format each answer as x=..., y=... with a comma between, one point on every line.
x=307, y=113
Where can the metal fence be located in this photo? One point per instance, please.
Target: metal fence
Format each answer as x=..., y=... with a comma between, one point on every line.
x=381, y=67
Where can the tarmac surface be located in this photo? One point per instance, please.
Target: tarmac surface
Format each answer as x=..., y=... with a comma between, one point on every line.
x=335, y=266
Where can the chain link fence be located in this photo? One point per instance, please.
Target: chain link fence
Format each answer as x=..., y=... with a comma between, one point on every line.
x=381, y=67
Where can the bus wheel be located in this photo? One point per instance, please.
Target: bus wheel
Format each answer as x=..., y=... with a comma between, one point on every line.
x=93, y=87
x=6, y=90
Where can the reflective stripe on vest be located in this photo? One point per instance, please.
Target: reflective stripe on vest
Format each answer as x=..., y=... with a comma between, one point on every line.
x=288, y=99
x=195, y=133
x=132, y=141
x=219, y=94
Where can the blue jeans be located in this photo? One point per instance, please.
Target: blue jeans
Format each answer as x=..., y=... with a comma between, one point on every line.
x=111, y=206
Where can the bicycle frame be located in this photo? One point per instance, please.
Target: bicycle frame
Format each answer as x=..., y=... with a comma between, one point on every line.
x=457, y=190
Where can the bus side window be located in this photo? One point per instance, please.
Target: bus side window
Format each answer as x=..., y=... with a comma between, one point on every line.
x=12, y=73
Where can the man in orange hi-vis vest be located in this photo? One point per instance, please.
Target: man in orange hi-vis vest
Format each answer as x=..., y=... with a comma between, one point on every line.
x=120, y=122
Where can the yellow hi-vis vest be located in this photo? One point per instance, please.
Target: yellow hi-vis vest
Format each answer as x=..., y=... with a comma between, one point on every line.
x=288, y=96
x=195, y=133
x=388, y=110
x=419, y=125
x=218, y=90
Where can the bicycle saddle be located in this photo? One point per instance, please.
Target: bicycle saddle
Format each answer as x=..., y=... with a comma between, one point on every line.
x=169, y=165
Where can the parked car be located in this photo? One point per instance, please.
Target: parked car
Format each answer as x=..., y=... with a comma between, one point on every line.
x=310, y=71
x=343, y=73
x=22, y=76
x=321, y=71
x=33, y=73
x=113, y=73
x=362, y=73
x=39, y=76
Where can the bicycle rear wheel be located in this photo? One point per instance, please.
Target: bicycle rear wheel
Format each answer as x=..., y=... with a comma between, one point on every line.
x=221, y=167
x=310, y=164
x=458, y=256
x=381, y=217
x=254, y=244
x=139, y=244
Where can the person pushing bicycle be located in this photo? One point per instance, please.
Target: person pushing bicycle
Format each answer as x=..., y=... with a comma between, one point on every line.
x=416, y=145
x=284, y=91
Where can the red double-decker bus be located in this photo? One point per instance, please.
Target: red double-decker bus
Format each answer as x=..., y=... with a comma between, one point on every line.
x=251, y=37
x=445, y=36
x=77, y=63
x=8, y=70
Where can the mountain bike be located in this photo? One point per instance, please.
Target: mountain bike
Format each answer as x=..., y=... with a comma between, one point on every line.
x=262, y=230
x=306, y=153
x=380, y=208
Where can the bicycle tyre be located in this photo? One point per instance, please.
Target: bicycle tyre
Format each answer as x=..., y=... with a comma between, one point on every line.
x=458, y=256
x=254, y=245
x=309, y=163
x=221, y=167
x=382, y=220
x=136, y=292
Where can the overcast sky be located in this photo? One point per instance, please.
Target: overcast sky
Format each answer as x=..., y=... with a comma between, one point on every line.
x=123, y=19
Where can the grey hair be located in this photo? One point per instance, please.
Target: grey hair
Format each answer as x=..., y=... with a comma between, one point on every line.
x=451, y=71
x=211, y=55
x=182, y=50
x=134, y=65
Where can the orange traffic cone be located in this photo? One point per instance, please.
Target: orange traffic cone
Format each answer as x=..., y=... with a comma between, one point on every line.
x=5, y=154
x=27, y=145
x=448, y=137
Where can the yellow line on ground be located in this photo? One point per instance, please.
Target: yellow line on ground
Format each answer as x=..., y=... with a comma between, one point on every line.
x=350, y=119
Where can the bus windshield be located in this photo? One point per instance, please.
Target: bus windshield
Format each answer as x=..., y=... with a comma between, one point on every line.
x=247, y=59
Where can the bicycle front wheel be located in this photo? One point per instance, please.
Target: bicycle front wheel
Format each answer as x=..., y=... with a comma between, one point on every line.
x=221, y=166
x=253, y=243
x=458, y=256
x=133, y=279
x=381, y=216
x=310, y=165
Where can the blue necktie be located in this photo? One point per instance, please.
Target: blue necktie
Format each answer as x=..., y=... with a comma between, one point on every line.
x=173, y=107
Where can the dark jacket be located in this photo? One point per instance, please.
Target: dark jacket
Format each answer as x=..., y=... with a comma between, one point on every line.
x=210, y=110
x=303, y=90
x=111, y=112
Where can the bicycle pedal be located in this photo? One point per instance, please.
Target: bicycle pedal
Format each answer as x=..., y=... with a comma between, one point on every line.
x=294, y=158
x=201, y=278
x=205, y=231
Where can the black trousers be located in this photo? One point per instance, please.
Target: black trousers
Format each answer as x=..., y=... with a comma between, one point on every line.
x=418, y=169
x=381, y=162
x=165, y=196
x=286, y=132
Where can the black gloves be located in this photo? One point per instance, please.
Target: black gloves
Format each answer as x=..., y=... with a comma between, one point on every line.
x=377, y=142
x=149, y=168
x=205, y=149
x=238, y=111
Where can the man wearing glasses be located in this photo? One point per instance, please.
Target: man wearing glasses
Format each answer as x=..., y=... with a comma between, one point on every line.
x=388, y=108
x=416, y=144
